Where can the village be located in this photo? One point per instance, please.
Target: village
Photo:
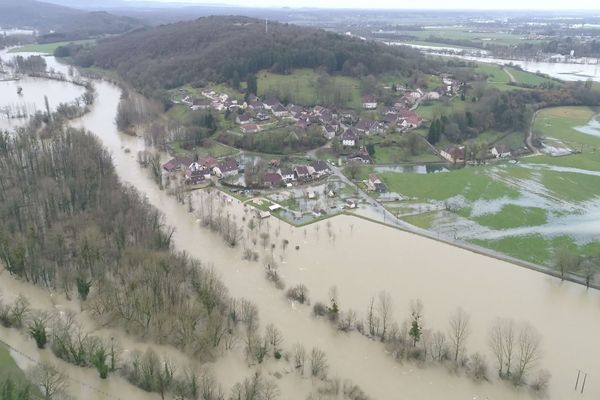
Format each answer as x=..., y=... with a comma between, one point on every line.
x=302, y=190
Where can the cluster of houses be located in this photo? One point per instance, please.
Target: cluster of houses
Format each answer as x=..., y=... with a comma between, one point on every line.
x=456, y=154
x=298, y=174
x=255, y=113
x=200, y=170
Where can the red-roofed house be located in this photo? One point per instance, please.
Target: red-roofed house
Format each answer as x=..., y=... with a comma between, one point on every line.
x=250, y=128
x=177, y=164
x=272, y=179
x=227, y=167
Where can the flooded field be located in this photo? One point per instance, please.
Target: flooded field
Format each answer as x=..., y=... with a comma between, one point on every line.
x=33, y=92
x=361, y=258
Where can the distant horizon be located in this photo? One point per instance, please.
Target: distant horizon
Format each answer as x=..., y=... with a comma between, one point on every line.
x=423, y=5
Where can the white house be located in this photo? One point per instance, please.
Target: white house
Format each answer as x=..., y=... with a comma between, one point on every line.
x=501, y=151
x=369, y=102
x=287, y=174
x=454, y=154
x=350, y=137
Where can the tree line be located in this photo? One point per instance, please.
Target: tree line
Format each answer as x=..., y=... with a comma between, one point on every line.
x=488, y=108
x=515, y=346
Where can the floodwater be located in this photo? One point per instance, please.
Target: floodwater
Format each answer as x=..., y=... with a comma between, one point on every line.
x=415, y=169
x=562, y=71
x=31, y=98
x=592, y=127
x=360, y=262
x=361, y=258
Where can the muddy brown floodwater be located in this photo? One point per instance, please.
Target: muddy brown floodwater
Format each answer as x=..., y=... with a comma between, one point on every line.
x=363, y=258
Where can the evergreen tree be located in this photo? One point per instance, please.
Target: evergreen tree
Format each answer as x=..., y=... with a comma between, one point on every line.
x=252, y=84
x=235, y=80
x=415, y=329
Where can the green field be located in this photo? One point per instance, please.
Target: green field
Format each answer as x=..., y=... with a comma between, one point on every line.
x=435, y=109
x=214, y=149
x=477, y=39
x=424, y=220
x=536, y=248
x=472, y=183
x=589, y=161
x=571, y=186
x=512, y=216
x=302, y=87
x=528, y=78
x=560, y=123
x=47, y=48
x=393, y=149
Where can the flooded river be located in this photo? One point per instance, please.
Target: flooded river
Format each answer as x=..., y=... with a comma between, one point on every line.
x=560, y=70
x=361, y=258
x=365, y=258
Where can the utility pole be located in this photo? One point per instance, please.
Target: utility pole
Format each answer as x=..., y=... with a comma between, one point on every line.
x=580, y=373
x=266, y=26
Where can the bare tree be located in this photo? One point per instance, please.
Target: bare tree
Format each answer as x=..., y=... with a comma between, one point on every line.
x=439, y=348
x=459, y=331
x=298, y=293
x=372, y=320
x=566, y=261
x=299, y=358
x=274, y=338
x=52, y=381
x=502, y=341
x=318, y=363
x=528, y=351
x=384, y=310
x=347, y=321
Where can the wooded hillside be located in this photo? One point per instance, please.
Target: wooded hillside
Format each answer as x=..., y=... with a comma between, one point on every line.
x=226, y=48
x=62, y=23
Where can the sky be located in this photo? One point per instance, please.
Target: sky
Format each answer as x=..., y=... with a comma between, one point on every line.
x=414, y=4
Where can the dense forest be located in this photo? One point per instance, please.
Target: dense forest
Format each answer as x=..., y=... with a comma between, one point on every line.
x=230, y=48
x=71, y=226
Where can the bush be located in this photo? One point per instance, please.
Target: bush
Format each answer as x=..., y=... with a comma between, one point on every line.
x=320, y=309
x=37, y=330
x=298, y=293
x=478, y=368
x=541, y=381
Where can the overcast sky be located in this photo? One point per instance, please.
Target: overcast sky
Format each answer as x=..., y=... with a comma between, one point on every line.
x=418, y=4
